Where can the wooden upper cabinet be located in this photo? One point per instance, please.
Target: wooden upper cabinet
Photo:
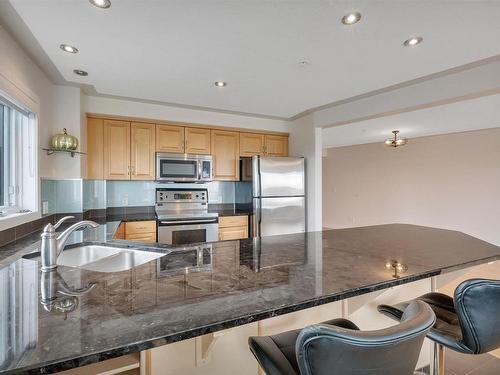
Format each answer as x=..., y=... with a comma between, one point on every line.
x=251, y=144
x=95, y=149
x=169, y=138
x=276, y=145
x=197, y=141
x=225, y=147
x=142, y=151
x=116, y=150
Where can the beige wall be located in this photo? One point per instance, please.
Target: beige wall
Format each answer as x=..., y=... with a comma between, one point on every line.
x=448, y=181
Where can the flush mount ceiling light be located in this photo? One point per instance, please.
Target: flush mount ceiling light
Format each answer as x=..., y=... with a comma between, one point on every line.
x=79, y=72
x=68, y=48
x=104, y=4
x=395, y=141
x=351, y=18
x=220, y=83
x=413, y=41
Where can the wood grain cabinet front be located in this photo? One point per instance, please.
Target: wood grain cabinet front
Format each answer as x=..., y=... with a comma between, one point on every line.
x=170, y=138
x=276, y=145
x=197, y=141
x=95, y=149
x=142, y=151
x=225, y=147
x=144, y=231
x=116, y=150
x=251, y=144
x=233, y=227
x=120, y=148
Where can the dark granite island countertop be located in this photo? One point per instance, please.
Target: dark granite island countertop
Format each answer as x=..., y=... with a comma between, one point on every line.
x=158, y=303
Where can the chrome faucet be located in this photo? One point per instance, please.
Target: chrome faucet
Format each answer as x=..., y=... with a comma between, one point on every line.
x=52, y=245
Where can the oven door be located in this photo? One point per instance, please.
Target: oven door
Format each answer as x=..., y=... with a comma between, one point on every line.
x=176, y=168
x=183, y=232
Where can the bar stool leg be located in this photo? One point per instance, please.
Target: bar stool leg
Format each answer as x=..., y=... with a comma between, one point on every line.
x=438, y=359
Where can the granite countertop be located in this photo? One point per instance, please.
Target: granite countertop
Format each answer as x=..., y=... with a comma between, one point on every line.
x=158, y=303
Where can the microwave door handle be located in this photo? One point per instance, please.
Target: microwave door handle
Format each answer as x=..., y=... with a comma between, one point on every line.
x=200, y=170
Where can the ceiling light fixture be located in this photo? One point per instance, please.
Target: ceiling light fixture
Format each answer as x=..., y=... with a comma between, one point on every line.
x=395, y=141
x=220, y=83
x=68, y=48
x=104, y=4
x=79, y=72
x=413, y=41
x=351, y=18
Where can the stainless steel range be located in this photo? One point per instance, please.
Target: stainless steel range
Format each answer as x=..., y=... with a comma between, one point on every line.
x=183, y=216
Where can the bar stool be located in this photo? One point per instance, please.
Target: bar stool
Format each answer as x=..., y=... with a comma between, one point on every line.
x=468, y=323
x=338, y=347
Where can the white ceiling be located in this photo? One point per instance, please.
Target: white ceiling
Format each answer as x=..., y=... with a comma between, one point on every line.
x=173, y=50
x=481, y=113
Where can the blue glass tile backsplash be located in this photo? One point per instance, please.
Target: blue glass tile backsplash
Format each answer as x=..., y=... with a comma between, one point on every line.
x=78, y=195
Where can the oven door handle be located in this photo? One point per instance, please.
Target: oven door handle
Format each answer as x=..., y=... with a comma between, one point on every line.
x=189, y=221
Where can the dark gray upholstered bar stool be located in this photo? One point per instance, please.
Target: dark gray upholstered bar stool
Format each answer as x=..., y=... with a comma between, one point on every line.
x=468, y=323
x=338, y=347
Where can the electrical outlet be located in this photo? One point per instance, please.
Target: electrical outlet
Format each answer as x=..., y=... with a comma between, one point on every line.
x=45, y=207
x=125, y=200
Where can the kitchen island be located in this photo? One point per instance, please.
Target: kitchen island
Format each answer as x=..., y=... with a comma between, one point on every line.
x=194, y=291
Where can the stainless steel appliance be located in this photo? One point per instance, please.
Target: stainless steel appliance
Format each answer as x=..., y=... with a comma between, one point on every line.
x=183, y=167
x=183, y=216
x=278, y=194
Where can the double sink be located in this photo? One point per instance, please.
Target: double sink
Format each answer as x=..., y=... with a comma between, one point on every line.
x=104, y=258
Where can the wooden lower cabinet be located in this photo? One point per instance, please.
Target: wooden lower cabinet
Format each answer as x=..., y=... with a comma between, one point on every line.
x=144, y=231
x=225, y=148
x=233, y=227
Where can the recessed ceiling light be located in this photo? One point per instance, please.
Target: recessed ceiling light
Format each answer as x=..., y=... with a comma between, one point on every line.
x=79, y=72
x=68, y=48
x=413, y=41
x=220, y=83
x=104, y=4
x=351, y=18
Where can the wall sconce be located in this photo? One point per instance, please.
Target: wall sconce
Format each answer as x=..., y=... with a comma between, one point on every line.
x=397, y=268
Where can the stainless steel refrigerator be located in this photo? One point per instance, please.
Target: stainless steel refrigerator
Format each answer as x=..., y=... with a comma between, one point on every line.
x=278, y=194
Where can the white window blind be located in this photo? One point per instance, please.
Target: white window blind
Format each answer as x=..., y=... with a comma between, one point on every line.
x=17, y=158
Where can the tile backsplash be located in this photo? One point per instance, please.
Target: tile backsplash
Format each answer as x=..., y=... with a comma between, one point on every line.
x=78, y=195
x=62, y=195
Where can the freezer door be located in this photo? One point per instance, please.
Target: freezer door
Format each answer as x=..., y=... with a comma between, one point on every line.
x=279, y=176
x=279, y=215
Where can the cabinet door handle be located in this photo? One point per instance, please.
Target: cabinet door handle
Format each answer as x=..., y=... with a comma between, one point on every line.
x=128, y=170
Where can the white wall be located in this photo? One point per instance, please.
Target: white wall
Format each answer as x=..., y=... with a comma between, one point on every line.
x=305, y=140
x=446, y=181
x=121, y=107
x=55, y=105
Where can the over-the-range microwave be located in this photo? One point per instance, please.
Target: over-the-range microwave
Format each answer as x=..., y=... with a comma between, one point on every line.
x=183, y=167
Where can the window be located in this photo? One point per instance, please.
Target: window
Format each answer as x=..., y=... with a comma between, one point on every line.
x=18, y=171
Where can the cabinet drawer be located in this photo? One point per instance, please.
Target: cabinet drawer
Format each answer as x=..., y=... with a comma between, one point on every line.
x=144, y=237
x=140, y=227
x=233, y=233
x=233, y=221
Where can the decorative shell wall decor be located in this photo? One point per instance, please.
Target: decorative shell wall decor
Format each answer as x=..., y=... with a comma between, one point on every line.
x=64, y=141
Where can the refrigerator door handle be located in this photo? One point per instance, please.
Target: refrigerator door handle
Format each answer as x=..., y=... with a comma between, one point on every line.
x=257, y=217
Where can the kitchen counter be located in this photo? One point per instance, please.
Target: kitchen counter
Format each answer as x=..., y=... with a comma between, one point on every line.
x=253, y=279
x=230, y=209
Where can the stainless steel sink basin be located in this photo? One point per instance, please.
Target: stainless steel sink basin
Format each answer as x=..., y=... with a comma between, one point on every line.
x=105, y=258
